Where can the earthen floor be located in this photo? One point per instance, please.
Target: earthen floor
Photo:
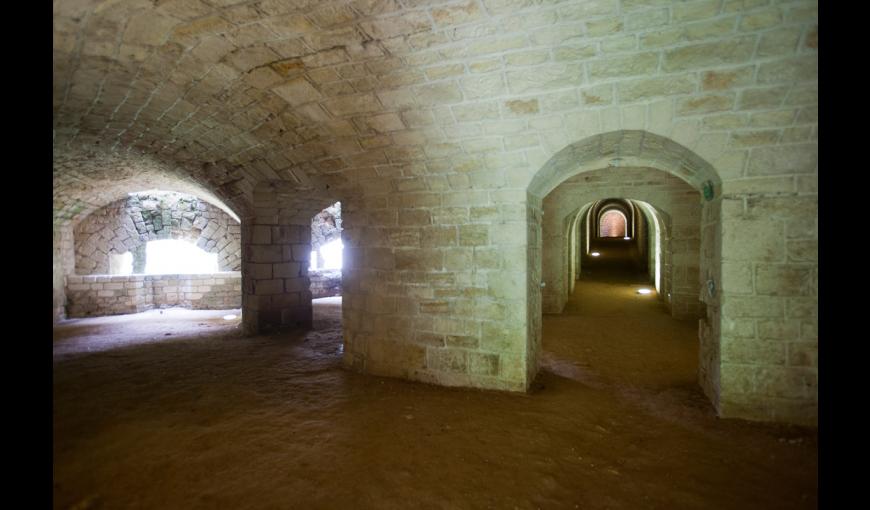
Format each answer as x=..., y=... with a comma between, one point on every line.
x=176, y=410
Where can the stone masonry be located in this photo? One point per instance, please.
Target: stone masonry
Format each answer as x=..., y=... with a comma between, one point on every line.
x=126, y=225
x=442, y=127
x=112, y=295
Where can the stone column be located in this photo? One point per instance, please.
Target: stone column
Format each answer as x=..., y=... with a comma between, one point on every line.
x=275, y=286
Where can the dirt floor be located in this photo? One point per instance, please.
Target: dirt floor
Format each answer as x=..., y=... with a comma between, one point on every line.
x=176, y=410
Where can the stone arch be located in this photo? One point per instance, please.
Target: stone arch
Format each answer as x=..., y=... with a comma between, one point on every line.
x=130, y=223
x=87, y=178
x=614, y=151
x=624, y=148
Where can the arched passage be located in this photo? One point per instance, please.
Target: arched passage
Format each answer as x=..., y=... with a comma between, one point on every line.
x=669, y=206
x=650, y=227
x=615, y=154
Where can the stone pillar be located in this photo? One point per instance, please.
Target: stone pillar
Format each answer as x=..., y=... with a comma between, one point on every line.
x=275, y=286
x=768, y=352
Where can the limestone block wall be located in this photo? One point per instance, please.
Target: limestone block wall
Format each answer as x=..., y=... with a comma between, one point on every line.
x=769, y=325
x=93, y=295
x=127, y=224
x=276, y=253
x=709, y=327
x=680, y=242
x=431, y=279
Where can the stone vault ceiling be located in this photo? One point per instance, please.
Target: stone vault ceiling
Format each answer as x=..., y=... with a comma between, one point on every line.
x=411, y=95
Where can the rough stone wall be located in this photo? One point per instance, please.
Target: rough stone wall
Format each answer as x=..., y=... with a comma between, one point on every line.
x=118, y=294
x=681, y=243
x=126, y=225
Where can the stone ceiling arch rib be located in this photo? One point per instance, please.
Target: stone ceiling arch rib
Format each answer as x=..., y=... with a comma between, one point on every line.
x=624, y=148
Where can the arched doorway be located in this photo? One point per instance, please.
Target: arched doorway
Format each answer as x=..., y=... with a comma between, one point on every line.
x=615, y=152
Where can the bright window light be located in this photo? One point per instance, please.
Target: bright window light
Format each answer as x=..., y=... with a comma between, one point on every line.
x=121, y=263
x=595, y=254
x=229, y=317
x=171, y=256
x=313, y=261
x=643, y=291
x=332, y=254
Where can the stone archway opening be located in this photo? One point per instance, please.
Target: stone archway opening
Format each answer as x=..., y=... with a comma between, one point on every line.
x=324, y=269
x=658, y=185
x=325, y=266
x=155, y=249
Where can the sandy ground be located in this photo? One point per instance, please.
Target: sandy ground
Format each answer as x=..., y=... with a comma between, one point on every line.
x=177, y=410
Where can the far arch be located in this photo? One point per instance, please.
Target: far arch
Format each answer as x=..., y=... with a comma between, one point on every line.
x=612, y=223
